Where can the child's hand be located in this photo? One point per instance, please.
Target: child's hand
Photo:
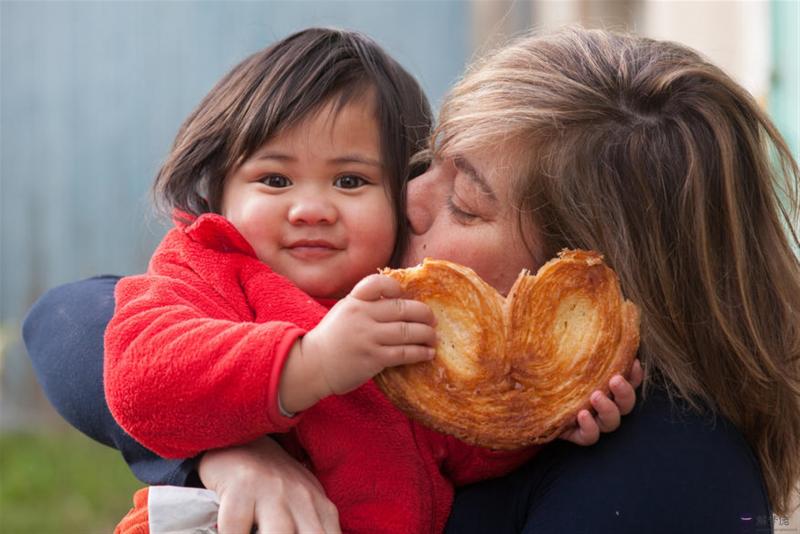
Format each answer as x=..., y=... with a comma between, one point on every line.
x=370, y=329
x=587, y=430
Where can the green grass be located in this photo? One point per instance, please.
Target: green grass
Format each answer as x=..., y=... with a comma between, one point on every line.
x=61, y=483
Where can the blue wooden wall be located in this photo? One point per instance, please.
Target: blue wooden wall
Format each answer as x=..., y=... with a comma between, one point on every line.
x=92, y=93
x=91, y=96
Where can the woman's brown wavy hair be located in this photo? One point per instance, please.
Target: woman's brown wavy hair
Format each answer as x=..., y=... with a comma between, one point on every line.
x=645, y=151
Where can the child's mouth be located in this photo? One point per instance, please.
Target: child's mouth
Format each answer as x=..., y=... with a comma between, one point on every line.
x=312, y=249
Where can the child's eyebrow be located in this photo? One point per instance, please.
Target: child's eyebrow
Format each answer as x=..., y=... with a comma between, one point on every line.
x=280, y=156
x=357, y=158
x=346, y=158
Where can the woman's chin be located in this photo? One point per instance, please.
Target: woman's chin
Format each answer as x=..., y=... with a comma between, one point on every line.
x=411, y=260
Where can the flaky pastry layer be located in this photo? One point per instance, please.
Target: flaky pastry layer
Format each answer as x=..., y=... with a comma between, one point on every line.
x=514, y=371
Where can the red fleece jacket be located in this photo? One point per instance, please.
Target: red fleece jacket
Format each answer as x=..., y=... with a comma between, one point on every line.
x=193, y=357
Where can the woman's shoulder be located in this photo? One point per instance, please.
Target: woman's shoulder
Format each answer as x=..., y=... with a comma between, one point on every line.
x=668, y=468
x=675, y=422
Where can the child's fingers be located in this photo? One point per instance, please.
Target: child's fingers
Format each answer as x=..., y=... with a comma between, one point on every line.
x=608, y=415
x=404, y=333
x=405, y=354
x=376, y=286
x=398, y=309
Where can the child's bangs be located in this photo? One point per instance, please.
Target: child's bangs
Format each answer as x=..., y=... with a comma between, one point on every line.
x=276, y=118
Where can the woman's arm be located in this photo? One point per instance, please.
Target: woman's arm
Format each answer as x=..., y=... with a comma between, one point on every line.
x=63, y=333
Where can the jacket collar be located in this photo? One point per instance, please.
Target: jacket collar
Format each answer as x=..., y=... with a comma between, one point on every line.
x=213, y=231
x=216, y=232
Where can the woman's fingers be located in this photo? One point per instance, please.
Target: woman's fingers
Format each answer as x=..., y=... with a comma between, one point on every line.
x=623, y=393
x=313, y=515
x=586, y=432
x=329, y=517
x=297, y=509
x=608, y=414
x=274, y=519
x=236, y=514
x=259, y=484
x=300, y=510
x=637, y=374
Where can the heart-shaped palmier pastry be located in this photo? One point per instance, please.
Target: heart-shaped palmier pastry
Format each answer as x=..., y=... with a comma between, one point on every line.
x=514, y=371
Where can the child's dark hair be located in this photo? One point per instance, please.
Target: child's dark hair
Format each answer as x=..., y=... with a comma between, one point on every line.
x=278, y=88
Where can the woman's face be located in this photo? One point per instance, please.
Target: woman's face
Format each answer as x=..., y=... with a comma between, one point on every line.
x=461, y=210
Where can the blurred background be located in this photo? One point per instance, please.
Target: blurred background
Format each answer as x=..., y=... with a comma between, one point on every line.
x=92, y=93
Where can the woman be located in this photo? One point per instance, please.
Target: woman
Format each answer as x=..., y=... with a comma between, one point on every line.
x=583, y=139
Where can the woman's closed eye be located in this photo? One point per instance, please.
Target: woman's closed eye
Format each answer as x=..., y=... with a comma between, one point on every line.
x=277, y=181
x=350, y=181
x=462, y=215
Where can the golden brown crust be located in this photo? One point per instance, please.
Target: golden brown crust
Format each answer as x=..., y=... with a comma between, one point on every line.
x=515, y=371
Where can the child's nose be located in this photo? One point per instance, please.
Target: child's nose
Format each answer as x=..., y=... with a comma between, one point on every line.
x=312, y=211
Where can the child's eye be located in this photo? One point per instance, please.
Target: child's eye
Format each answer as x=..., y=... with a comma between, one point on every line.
x=276, y=180
x=459, y=214
x=349, y=182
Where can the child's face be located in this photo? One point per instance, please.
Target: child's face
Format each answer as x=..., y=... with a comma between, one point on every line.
x=312, y=201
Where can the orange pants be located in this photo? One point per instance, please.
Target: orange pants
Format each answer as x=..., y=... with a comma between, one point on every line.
x=136, y=521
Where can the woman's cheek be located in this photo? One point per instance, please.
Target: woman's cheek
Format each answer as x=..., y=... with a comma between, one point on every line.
x=469, y=248
x=494, y=257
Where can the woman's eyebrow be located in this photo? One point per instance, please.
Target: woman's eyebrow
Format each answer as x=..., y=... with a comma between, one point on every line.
x=473, y=174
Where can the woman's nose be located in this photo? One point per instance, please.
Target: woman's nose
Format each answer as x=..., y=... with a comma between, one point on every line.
x=424, y=197
x=313, y=211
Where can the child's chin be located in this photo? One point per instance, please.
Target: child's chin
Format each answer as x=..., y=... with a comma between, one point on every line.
x=322, y=290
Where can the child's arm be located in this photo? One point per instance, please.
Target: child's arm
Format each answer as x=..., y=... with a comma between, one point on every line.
x=370, y=329
x=183, y=375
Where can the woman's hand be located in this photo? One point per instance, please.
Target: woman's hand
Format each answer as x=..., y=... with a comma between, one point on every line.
x=609, y=412
x=260, y=484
